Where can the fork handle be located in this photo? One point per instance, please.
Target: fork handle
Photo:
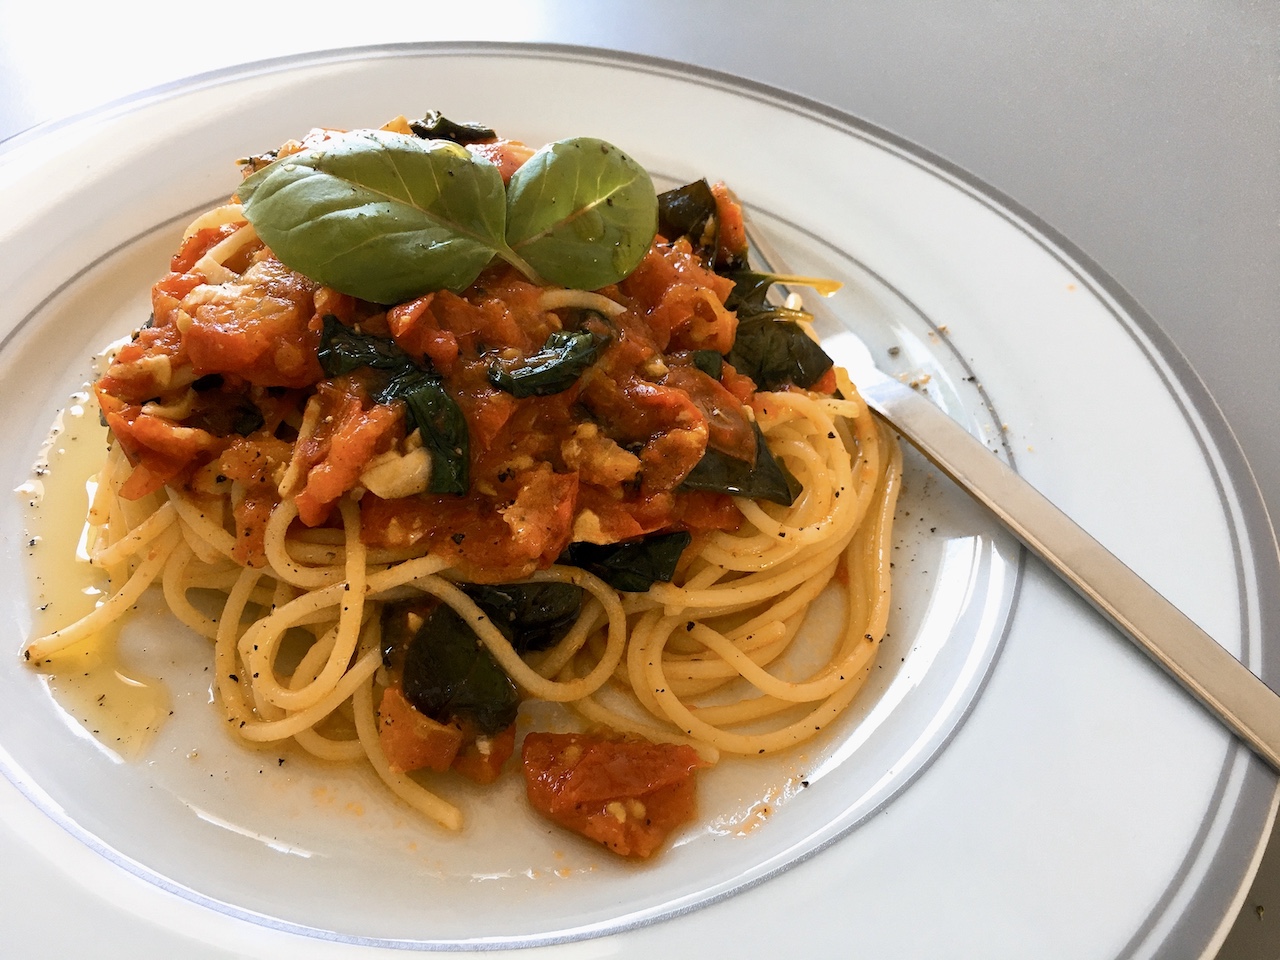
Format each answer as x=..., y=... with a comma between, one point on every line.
x=1217, y=679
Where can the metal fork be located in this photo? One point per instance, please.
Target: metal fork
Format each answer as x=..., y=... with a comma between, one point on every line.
x=1216, y=678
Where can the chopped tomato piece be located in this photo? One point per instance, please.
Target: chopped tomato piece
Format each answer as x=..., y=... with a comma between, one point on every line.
x=349, y=436
x=826, y=383
x=481, y=758
x=541, y=516
x=683, y=300
x=144, y=367
x=256, y=463
x=501, y=307
x=733, y=229
x=664, y=419
x=411, y=740
x=740, y=385
x=623, y=792
x=198, y=244
x=168, y=292
x=256, y=326
x=415, y=328
x=158, y=448
x=507, y=155
x=728, y=428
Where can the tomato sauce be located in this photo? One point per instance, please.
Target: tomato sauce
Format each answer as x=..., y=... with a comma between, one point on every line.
x=601, y=461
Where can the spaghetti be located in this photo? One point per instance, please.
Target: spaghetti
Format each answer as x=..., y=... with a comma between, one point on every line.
x=254, y=462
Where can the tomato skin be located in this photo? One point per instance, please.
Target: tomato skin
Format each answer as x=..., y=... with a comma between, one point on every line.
x=159, y=449
x=198, y=244
x=733, y=227
x=728, y=429
x=257, y=327
x=256, y=462
x=826, y=384
x=416, y=329
x=741, y=387
x=411, y=740
x=353, y=430
x=681, y=301
x=623, y=792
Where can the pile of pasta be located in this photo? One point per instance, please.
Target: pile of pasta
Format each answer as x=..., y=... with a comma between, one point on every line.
x=291, y=586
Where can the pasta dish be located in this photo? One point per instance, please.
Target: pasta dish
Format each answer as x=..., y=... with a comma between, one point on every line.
x=426, y=423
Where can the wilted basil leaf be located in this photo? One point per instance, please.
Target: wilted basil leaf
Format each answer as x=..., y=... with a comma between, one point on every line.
x=236, y=415
x=379, y=215
x=774, y=352
x=444, y=428
x=554, y=368
x=428, y=407
x=632, y=565
x=435, y=126
x=749, y=293
x=768, y=479
x=532, y=616
x=581, y=213
x=343, y=350
x=248, y=418
x=690, y=211
x=709, y=362
x=449, y=674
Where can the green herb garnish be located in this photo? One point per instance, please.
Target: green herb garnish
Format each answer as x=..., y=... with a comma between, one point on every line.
x=564, y=357
x=387, y=217
x=397, y=376
x=632, y=565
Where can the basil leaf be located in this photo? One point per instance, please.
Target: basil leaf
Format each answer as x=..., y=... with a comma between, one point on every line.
x=581, y=213
x=553, y=369
x=444, y=429
x=749, y=296
x=709, y=362
x=768, y=479
x=532, y=616
x=435, y=126
x=381, y=216
x=247, y=419
x=750, y=288
x=632, y=565
x=428, y=407
x=238, y=415
x=343, y=350
x=774, y=352
x=449, y=674
x=690, y=211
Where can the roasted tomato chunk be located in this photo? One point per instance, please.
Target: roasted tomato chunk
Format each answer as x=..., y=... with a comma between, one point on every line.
x=411, y=740
x=623, y=792
x=481, y=758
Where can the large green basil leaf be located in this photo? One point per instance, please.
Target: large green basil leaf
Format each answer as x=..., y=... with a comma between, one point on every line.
x=381, y=216
x=581, y=213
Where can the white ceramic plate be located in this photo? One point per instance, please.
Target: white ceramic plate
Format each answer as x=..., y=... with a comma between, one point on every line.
x=1017, y=774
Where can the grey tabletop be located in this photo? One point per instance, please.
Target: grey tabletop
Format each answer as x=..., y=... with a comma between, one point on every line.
x=1146, y=133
